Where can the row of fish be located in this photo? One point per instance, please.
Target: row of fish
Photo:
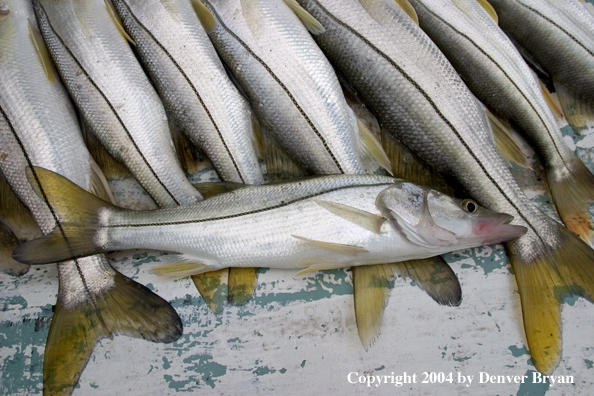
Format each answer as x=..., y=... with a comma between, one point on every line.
x=395, y=69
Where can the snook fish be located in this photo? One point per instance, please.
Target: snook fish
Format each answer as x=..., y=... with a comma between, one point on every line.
x=193, y=84
x=114, y=96
x=559, y=34
x=38, y=127
x=320, y=223
x=495, y=71
x=419, y=97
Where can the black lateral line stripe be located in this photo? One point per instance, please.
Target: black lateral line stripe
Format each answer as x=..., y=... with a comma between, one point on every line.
x=111, y=108
x=55, y=216
x=279, y=82
x=282, y=204
x=506, y=75
x=210, y=117
x=557, y=26
x=433, y=105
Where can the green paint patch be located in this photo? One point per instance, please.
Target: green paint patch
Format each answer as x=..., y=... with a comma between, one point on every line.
x=382, y=367
x=303, y=364
x=260, y=371
x=517, y=352
x=143, y=258
x=282, y=371
x=208, y=371
x=589, y=363
x=528, y=388
x=166, y=363
x=461, y=359
x=13, y=302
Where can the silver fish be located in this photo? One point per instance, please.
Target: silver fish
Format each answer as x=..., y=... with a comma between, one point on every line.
x=319, y=223
x=559, y=34
x=418, y=96
x=193, y=84
x=114, y=96
x=292, y=87
x=38, y=127
x=497, y=74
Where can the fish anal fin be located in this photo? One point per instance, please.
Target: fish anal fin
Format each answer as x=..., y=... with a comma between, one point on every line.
x=214, y=288
x=371, y=289
x=409, y=9
x=183, y=148
x=348, y=250
x=369, y=221
x=111, y=168
x=210, y=189
x=320, y=267
x=310, y=23
x=490, y=10
x=279, y=166
x=204, y=15
x=242, y=284
x=99, y=186
x=507, y=145
x=549, y=98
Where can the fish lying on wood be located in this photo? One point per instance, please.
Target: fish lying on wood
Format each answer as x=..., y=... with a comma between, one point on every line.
x=38, y=126
x=497, y=74
x=319, y=223
x=419, y=97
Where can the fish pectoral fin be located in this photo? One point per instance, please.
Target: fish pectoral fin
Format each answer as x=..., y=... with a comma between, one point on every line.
x=116, y=20
x=507, y=145
x=372, y=149
x=363, y=219
x=310, y=23
x=206, y=18
x=320, y=267
x=348, y=250
x=371, y=289
x=577, y=110
x=42, y=53
x=242, y=284
x=214, y=288
x=183, y=265
x=127, y=308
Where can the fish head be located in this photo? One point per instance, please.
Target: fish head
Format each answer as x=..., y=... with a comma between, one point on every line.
x=436, y=221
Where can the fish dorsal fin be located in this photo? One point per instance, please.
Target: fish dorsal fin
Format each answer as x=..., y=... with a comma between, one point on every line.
x=320, y=267
x=42, y=53
x=184, y=265
x=363, y=219
x=214, y=288
x=490, y=10
x=310, y=23
x=371, y=148
x=409, y=9
x=347, y=250
x=206, y=18
x=99, y=186
x=506, y=143
x=118, y=22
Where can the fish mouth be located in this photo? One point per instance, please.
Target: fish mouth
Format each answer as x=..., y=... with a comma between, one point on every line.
x=497, y=228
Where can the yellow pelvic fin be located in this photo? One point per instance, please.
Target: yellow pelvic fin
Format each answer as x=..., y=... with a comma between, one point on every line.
x=490, y=10
x=409, y=9
x=549, y=98
x=310, y=23
x=507, y=145
x=319, y=267
x=127, y=308
x=186, y=266
x=42, y=53
x=118, y=22
x=214, y=288
x=363, y=219
x=577, y=110
x=242, y=284
x=348, y=250
x=204, y=15
x=371, y=289
x=372, y=148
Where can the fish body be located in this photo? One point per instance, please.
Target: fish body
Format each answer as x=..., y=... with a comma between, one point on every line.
x=38, y=127
x=495, y=71
x=114, y=96
x=319, y=223
x=419, y=97
x=559, y=34
x=291, y=85
x=193, y=84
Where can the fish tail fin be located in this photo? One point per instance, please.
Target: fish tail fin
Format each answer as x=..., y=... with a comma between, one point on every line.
x=572, y=196
x=543, y=284
x=214, y=288
x=127, y=308
x=79, y=211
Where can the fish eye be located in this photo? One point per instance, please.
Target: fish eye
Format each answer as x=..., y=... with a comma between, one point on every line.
x=468, y=205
